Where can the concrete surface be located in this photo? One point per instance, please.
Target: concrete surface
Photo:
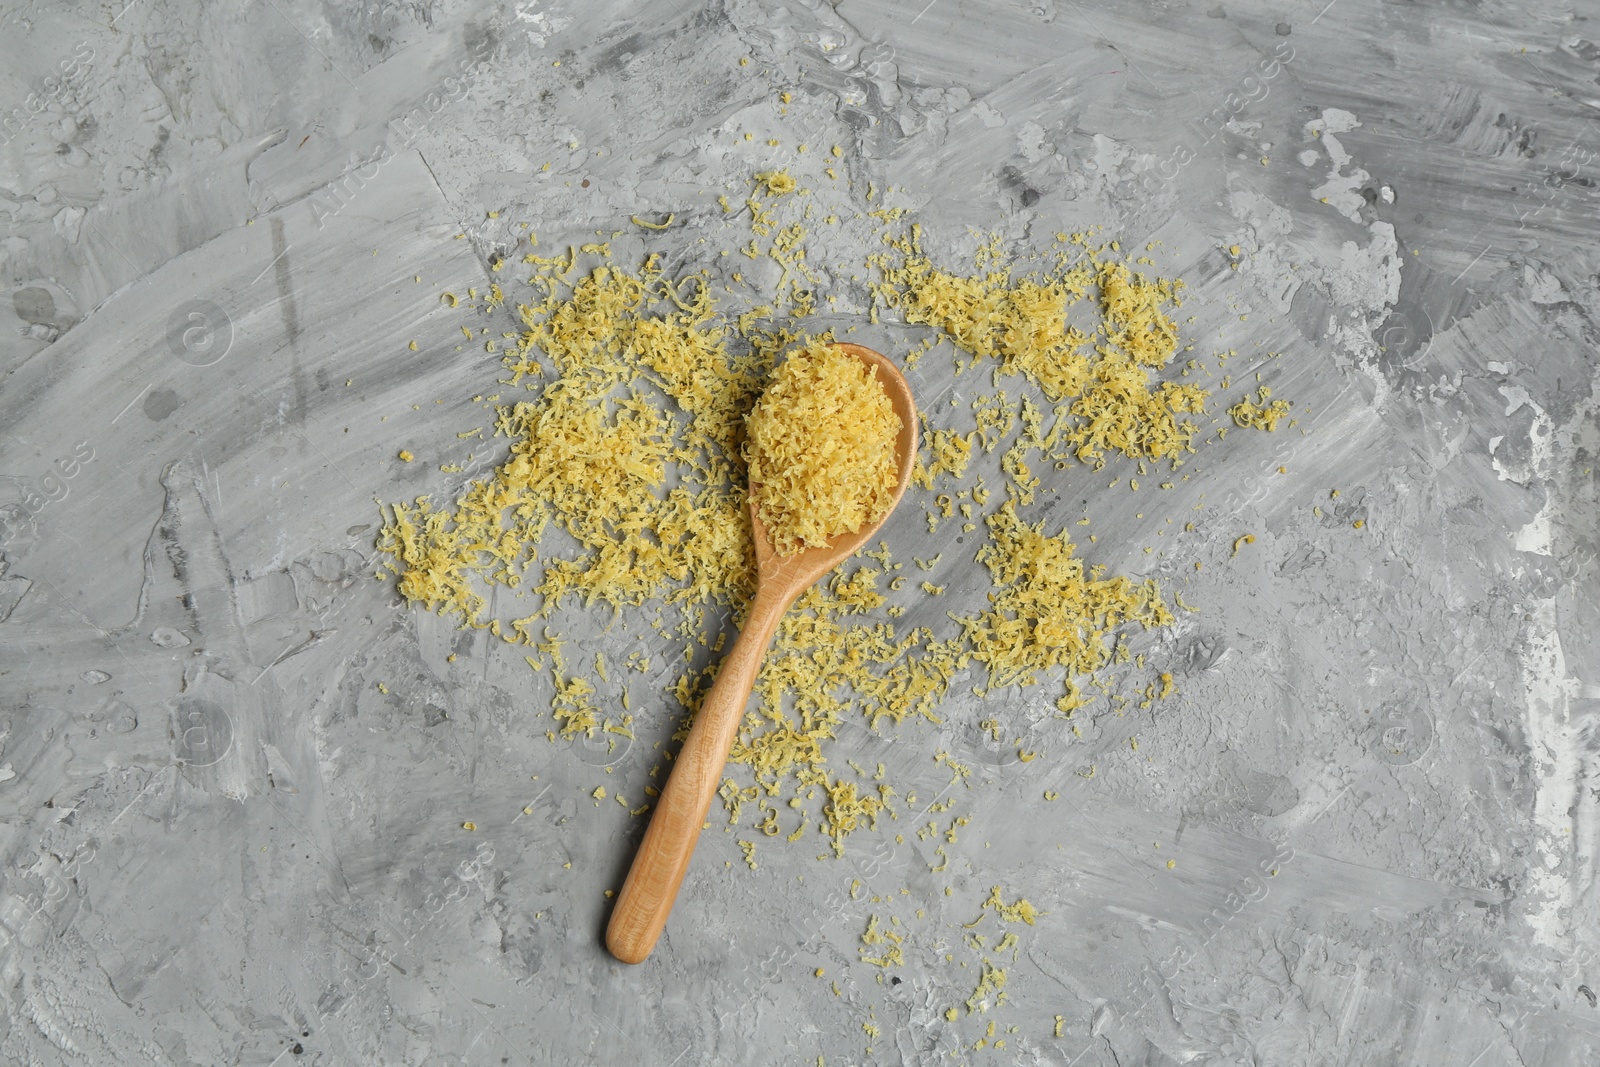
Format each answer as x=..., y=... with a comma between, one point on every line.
x=222, y=843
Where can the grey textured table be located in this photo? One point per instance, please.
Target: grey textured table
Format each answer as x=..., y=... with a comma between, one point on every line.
x=235, y=769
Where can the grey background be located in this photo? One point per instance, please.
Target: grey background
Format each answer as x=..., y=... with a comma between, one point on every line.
x=222, y=843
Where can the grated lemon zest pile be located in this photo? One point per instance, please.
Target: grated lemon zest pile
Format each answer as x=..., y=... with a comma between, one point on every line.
x=1104, y=376
x=821, y=448
x=1049, y=609
x=623, y=484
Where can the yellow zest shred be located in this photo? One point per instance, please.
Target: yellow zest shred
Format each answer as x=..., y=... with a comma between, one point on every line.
x=1262, y=415
x=890, y=956
x=992, y=981
x=948, y=452
x=1021, y=911
x=775, y=182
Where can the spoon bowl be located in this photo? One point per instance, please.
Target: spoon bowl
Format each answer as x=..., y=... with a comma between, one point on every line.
x=658, y=869
x=800, y=570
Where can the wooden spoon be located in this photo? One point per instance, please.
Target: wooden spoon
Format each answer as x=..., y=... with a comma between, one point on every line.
x=680, y=811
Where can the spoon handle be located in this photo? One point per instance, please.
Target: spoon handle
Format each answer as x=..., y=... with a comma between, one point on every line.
x=680, y=811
